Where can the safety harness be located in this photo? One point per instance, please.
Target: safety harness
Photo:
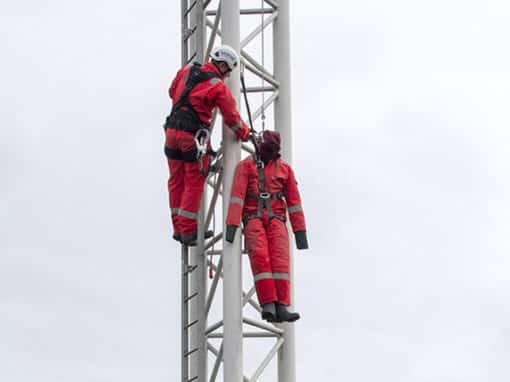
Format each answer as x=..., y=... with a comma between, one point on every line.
x=263, y=197
x=184, y=117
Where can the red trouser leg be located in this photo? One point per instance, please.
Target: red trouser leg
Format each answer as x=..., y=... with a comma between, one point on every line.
x=176, y=179
x=278, y=240
x=258, y=250
x=194, y=180
x=190, y=203
x=175, y=190
x=186, y=181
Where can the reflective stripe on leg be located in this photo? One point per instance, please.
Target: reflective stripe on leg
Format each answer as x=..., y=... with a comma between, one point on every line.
x=175, y=190
x=274, y=276
x=186, y=214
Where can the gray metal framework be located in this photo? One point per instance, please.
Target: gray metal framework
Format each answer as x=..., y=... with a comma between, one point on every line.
x=204, y=22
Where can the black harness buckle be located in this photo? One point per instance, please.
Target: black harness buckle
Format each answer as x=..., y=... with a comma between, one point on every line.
x=264, y=195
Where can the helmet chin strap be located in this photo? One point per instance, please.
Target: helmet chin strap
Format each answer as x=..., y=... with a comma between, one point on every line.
x=226, y=72
x=218, y=66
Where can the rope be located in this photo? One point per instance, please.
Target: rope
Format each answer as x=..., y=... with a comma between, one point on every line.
x=214, y=230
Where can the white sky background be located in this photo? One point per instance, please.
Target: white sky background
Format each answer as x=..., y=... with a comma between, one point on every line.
x=401, y=128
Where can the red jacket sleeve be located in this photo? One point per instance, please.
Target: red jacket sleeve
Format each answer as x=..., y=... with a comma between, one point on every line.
x=294, y=207
x=237, y=195
x=223, y=99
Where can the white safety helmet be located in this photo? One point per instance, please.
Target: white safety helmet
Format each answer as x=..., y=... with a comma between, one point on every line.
x=226, y=54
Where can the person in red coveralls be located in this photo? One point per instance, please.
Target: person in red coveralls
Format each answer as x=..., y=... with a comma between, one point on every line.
x=195, y=91
x=263, y=191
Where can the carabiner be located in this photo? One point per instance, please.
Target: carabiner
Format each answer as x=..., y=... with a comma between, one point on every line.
x=202, y=137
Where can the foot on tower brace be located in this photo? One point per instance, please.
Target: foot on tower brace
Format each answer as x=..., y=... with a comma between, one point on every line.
x=191, y=240
x=269, y=312
x=216, y=166
x=283, y=315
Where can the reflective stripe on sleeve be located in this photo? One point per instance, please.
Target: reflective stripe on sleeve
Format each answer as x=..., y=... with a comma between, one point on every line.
x=297, y=208
x=235, y=199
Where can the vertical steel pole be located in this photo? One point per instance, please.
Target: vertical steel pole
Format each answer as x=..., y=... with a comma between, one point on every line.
x=184, y=251
x=232, y=282
x=184, y=315
x=198, y=283
x=283, y=124
x=281, y=54
x=184, y=28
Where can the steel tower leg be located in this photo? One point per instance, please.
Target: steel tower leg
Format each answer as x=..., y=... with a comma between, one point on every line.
x=232, y=282
x=283, y=124
x=198, y=364
x=184, y=250
x=194, y=278
x=184, y=315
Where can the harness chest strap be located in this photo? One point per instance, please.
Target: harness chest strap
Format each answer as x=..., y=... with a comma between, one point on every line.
x=263, y=198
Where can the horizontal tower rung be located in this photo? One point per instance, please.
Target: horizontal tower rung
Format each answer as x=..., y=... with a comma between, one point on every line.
x=246, y=11
x=190, y=352
x=190, y=269
x=248, y=335
x=192, y=58
x=190, y=8
x=189, y=33
x=190, y=297
x=220, y=252
x=260, y=89
x=190, y=325
x=262, y=325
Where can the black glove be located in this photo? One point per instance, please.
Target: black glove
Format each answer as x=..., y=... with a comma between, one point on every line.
x=231, y=233
x=301, y=240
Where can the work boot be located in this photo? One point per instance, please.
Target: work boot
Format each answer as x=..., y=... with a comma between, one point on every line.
x=191, y=240
x=283, y=315
x=269, y=312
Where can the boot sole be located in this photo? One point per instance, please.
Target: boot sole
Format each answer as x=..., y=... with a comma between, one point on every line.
x=289, y=320
x=269, y=317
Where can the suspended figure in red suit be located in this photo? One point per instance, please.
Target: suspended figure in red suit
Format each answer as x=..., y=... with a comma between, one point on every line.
x=262, y=193
x=195, y=92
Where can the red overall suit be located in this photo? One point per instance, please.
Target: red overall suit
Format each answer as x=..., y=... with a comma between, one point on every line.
x=264, y=219
x=193, y=105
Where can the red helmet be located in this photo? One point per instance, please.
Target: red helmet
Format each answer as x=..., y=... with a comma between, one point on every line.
x=269, y=147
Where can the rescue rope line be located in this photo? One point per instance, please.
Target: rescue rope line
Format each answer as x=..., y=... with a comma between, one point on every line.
x=263, y=115
x=214, y=230
x=252, y=130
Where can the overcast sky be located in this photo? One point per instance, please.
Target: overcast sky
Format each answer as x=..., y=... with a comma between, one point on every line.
x=401, y=135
